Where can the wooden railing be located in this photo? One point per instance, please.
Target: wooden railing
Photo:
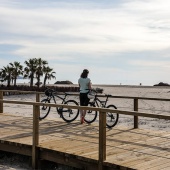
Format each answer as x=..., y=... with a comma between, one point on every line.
x=102, y=121
x=135, y=99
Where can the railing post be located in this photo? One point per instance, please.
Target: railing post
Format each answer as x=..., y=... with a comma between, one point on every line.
x=135, y=117
x=1, y=103
x=102, y=139
x=37, y=97
x=35, y=160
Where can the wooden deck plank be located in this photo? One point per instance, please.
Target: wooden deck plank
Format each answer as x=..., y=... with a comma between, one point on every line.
x=164, y=164
x=128, y=156
x=151, y=163
x=72, y=146
x=140, y=158
x=131, y=148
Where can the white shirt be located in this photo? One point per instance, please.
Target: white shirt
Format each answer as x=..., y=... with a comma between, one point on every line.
x=84, y=84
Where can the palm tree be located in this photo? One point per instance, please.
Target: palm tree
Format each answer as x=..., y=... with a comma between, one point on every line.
x=2, y=74
x=48, y=74
x=30, y=69
x=39, y=70
x=6, y=74
x=17, y=69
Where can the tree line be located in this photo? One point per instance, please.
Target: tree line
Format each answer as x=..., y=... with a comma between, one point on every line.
x=35, y=68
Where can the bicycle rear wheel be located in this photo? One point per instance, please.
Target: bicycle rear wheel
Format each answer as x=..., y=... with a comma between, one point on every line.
x=44, y=110
x=111, y=118
x=90, y=114
x=68, y=114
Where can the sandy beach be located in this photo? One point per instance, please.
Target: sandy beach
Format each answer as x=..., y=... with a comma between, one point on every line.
x=147, y=106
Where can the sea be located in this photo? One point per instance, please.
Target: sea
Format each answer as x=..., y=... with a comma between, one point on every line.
x=25, y=81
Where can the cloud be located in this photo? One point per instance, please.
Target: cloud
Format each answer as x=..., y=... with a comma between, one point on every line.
x=149, y=63
x=83, y=29
x=95, y=34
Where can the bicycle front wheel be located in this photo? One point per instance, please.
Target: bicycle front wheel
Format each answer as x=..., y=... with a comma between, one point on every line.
x=68, y=114
x=91, y=115
x=44, y=110
x=111, y=118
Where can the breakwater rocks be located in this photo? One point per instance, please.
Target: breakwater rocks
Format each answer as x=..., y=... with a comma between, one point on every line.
x=162, y=84
x=36, y=89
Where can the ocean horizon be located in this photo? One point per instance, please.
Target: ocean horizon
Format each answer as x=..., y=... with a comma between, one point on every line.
x=51, y=82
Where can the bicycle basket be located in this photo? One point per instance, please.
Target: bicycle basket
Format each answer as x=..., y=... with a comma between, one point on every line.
x=91, y=95
x=48, y=92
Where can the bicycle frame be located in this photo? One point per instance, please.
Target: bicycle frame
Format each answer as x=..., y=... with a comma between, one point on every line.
x=63, y=101
x=53, y=96
x=111, y=118
x=99, y=102
x=54, y=99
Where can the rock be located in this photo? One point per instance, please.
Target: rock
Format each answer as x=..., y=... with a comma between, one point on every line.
x=63, y=82
x=162, y=84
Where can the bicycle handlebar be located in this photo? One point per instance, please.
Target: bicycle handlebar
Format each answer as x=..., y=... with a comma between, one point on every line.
x=93, y=90
x=51, y=92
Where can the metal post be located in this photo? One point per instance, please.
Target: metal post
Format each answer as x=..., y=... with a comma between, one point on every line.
x=135, y=117
x=102, y=139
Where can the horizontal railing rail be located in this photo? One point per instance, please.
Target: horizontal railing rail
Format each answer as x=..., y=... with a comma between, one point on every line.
x=132, y=113
x=98, y=95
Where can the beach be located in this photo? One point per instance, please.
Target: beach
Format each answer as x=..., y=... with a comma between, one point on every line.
x=147, y=106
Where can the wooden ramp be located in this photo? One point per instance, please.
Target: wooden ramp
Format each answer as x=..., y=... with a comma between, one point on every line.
x=77, y=145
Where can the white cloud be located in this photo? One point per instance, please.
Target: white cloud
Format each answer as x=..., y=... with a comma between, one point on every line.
x=66, y=34
x=149, y=63
x=107, y=29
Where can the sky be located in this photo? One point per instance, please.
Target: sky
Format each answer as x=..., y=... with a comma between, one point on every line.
x=119, y=41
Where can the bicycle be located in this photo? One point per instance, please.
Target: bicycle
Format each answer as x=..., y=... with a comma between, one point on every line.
x=66, y=114
x=111, y=118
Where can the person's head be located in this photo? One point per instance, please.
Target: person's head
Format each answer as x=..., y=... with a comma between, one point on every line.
x=85, y=73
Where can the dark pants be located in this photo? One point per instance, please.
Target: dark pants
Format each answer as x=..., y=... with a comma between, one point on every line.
x=84, y=100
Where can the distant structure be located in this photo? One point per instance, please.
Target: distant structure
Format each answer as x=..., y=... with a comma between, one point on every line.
x=63, y=82
x=162, y=84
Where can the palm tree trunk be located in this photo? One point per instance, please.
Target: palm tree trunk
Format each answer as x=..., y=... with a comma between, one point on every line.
x=8, y=81
x=38, y=81
x=45, y=79
x=31, y=80
x=15, y=81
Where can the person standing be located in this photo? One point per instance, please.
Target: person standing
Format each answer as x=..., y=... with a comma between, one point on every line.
x=84, y=85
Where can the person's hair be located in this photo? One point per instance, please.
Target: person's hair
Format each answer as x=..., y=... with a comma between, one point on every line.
x=85, y=73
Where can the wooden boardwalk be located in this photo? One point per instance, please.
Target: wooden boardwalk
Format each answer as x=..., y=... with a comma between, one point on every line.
x=77, y=145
